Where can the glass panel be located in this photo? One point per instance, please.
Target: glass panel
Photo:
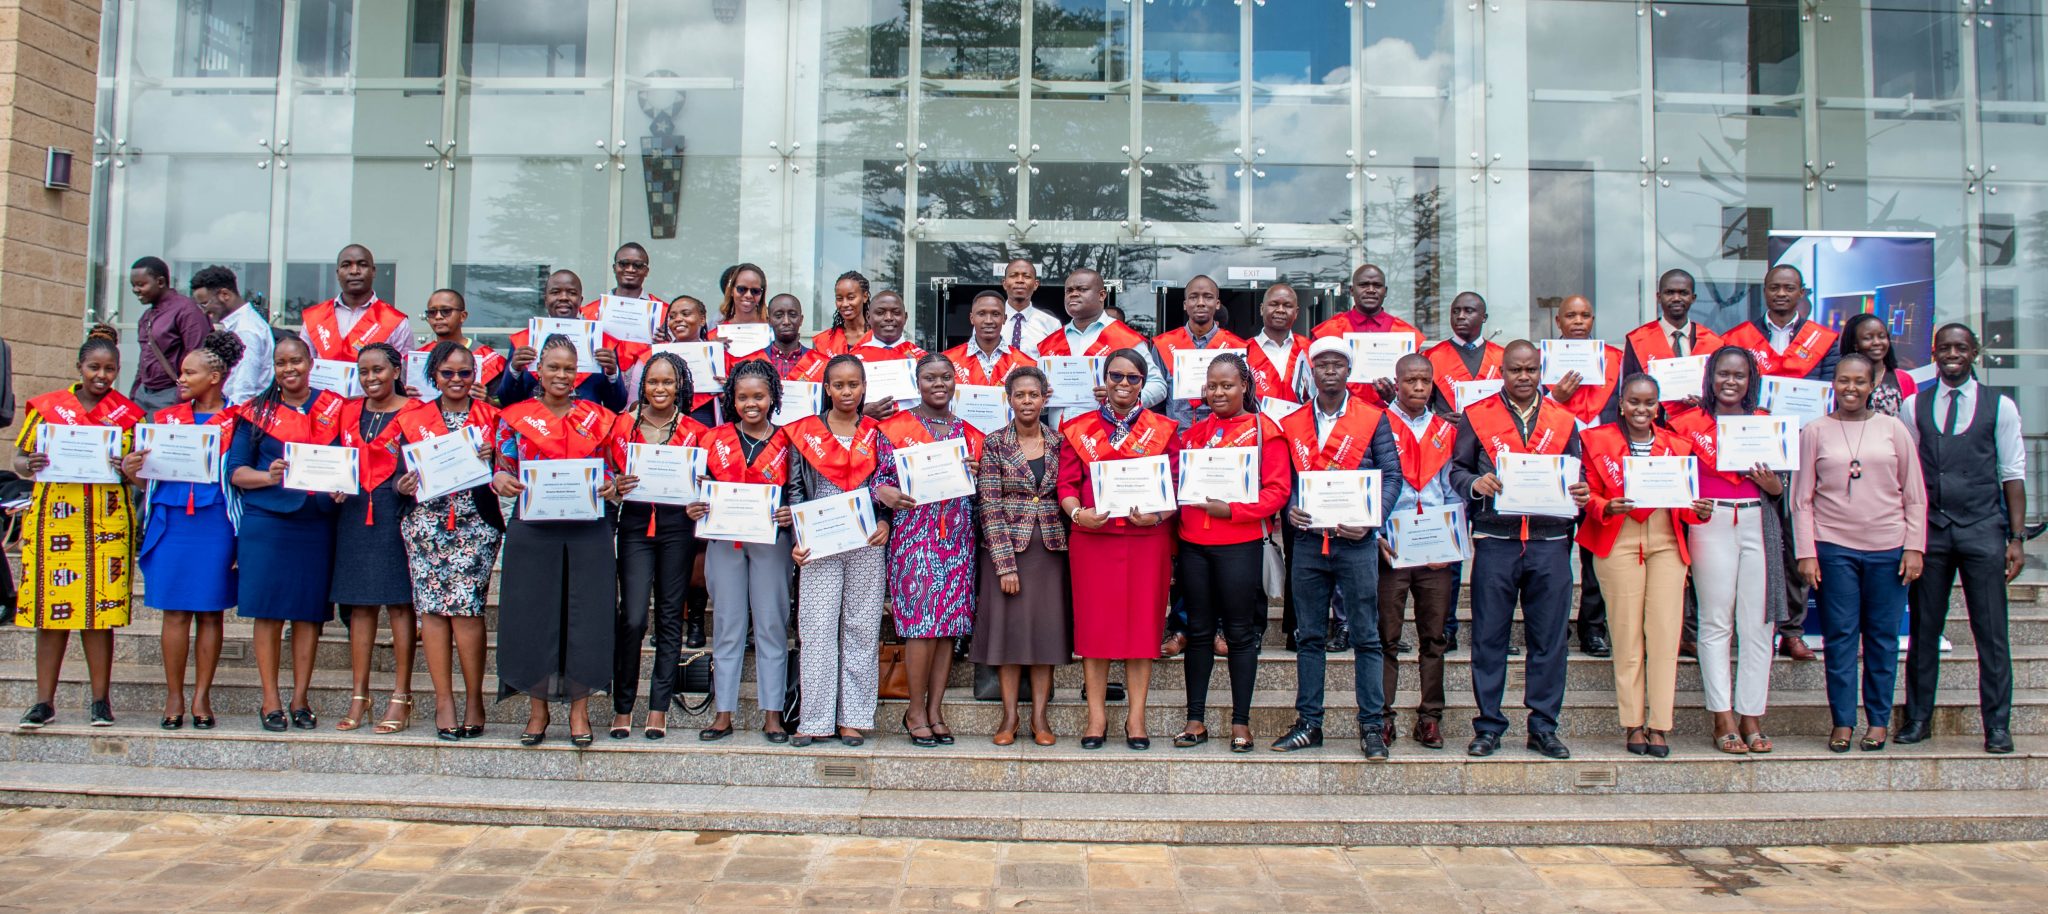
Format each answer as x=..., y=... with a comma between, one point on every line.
x=1305, y=129
x=217, y=38
x=1561, y=31
x=969, y=126
x=1295, y=44
x=531, y=38
x=1192, y=127
x=715, y=33
x=1410, y=44
x=387, y=205
x=970, y=40
x=689, y=221
x=193, y=211
x=966, y=190
x=1088, y=191
x=1193, y=41
x=1190, y=193
x=1714, y=226
x=537, y=63
x=1913, y=49
x=1093, y=128
x=1585, y=238
x=1414, y=220
x=1085, y=40
x=1314, y=194
x=518, y=219
x=866, y=40
x=860, y=206
x=1723, y=49
x=426, y=40
x=1910, y=206
x=2009, y=56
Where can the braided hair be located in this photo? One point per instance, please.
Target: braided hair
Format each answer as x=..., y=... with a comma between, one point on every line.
x=96, y=341
x=1244, y=374
x=266, y=403
x=752, y=368
x=222, y=348
x=440, y=353
x=839, y=322
x=389, y=352
x=685, y=385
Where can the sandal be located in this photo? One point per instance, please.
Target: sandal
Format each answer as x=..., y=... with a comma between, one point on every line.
x=352, y=722
x=1240, y=744
x=1759, y=743
x=395, y=724
x=942, y=733
x=926, y=741
x=1731, y=744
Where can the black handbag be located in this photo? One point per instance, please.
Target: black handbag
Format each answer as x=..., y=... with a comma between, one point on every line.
x=988, y=684
x=792, y=693
x=693, y=677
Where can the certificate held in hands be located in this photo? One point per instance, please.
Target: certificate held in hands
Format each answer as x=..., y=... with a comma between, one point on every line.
x=984, y=406
x=1538, y=484
x=79, y=453
x=834, y=524
x=630, y=320
x=320, y=468
x=1226, y=474
x=934, y=472
x=1191, y=371
x=1432, y=536
x=668, y=474
x=584, y=334
x=1073, y=379
x=1141, y=483
x=1742, y=442
x=706, y=361
x=179, y=453
x=741, y=512
x=891, y=380
x=335, y=375
x=560, y=489
x=446, y=463
x=1660, y=482
x=800, y=400
x=1374, y=355
x=1587, y=357
x=1470, y=392
x=1679, y=378
x=1796, y=398
x=1339, y=498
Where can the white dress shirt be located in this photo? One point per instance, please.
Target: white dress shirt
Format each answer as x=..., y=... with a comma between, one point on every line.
x=1437, y=491
x=1280, y=352
x=251, y=376
x=988, y=360
x=1781, y=337
x=2012, y=452
x=1031, y=325
x=345, y=319
x=1079, y=338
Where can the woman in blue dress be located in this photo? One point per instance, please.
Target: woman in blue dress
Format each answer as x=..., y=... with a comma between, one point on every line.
x=286, y=548
x=188, y=542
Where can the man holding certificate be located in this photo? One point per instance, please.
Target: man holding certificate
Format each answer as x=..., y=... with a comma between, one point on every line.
x=1522, y=559
x=1672, y=335
x=1368, y=314
x=562, y=299
x=630, y=268
x=890, y=385
x=1190, y=346
x=1337, y=433
x=1425, y=564
x=1466, y=356
x=1092, y=333
x=1592, y=398
x=986, y=360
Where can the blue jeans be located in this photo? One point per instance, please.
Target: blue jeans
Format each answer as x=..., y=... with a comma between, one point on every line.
x=1353, y=566
x=1861, y=598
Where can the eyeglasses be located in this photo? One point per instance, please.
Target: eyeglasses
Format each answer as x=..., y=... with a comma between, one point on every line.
x=450, y=374
x=630, y=264
x=1118, y=377
x=442, y=312
x=749, y=290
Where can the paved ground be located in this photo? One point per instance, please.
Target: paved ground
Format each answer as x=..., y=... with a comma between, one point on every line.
x=63, y=860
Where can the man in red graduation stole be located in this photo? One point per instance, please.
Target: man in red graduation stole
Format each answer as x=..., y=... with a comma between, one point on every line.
x=1466, y=356
x=793, y=360
x=1785, y=343
x=1368, y=314
x=1278, y=356
x=1525, y=559
x=1200, y=332
x=630, y=268
x=986, y=360
x=1592, y=401
x=446, y=313
x=1673, y=334
x=605, y=387
x=1096, y=333
x=340, y=327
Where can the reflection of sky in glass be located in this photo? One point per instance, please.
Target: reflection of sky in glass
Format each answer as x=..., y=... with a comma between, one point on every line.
x=1191, y=41
x=1736, y=50
x=1301, y=43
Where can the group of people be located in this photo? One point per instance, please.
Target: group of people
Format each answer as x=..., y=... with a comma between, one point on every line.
x=1899, y=490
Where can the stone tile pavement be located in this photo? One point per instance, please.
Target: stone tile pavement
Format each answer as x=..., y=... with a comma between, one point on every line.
x=60, y=860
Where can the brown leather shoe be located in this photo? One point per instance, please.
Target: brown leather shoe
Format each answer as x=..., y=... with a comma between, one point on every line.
x=1222, y=647
x=1688, y=648
x=1429, y=733
x=1796, y=649
x=1004, y=737
x=1173, y=645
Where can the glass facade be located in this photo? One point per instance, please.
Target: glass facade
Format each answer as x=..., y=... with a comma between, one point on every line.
x=1528, y=150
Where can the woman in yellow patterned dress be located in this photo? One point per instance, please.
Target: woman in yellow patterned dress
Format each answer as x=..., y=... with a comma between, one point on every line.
x=77, y=556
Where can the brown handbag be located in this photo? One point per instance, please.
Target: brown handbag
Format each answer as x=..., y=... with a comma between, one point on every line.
x=895, y=673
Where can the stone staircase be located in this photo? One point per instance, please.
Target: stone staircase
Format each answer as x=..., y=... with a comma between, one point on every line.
x=1946, y=789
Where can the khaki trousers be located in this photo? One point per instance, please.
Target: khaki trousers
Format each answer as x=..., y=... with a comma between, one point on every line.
x=1643, y=580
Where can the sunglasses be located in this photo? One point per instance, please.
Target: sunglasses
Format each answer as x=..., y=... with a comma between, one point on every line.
x=749, y=290
x=630, y=264
x=450, y=374
x=442, y=312
x=1118, y=377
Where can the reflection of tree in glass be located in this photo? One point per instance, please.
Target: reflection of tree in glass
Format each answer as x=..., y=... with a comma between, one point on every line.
x=527, y=217
x=1406, y=236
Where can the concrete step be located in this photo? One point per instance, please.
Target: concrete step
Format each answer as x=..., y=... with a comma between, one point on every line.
x=1191, y=817
x=138, y=693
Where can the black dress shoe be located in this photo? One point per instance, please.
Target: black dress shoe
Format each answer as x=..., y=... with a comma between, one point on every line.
x=1339, y=641
x=202, y=723
x=1298, y=737
x=1450, y=642
x=1403, y=647
x=1597, y=645
x=276, y=722
x=102, y=713
x=1914, y=731
x=448, y=734
x=1483, y=745
x=1138, y=743
x=1549, y=746
x=471, y=731
x=694, y=636
x=776, y=736
x=40, y=713
x=1092, y=742
x=173, y=723
x=304, y=719
x=1374, y=744
x=1997, y=741
x=713, y=734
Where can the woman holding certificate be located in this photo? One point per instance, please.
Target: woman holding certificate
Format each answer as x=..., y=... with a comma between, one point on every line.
x=839, y=605
x=1236, y=461
x=1738, y=570
x=559, y=596
x=849, y=315
x=686, y=320
x=1639, y=555
x=1020, y=612
x=370, y=569
x=451, y=542
x=1120, y=553
x=657, y=547
x=750, y=579
x=1859, y=525
x=931, y=541
x=67, y=590
x=188, y=541
x=283, y=554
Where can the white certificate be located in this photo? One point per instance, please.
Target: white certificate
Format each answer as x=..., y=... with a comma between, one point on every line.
x=1432, y=536
x=585, y=334
x=704, y=359
x=1191, y=371
x=1227, y=474
x=834, y=524
x=179, y=453
x=1587, y=357
x=80, y=453
x=741, y=512
x=1660, y=482
x=335, y=375
x=1349, y=498
x=1277, y=409
x=561, y=489
x=1470, y=392
x=446, y=463
x=984, y=406
x=1073, y=379
x=1373, y=355
x=746, y=339
x=891, y=380
x=934, y=472
x=1742, y=442
x=1535, y=484
x=320, y=468
x=1143, y=483
x=1796, y=398
x=423, y=388
x=630, y=320
x=800, y=399
x=668, y=474
x=1679, y=378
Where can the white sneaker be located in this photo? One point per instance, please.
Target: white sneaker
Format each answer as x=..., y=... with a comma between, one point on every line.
x=1947, y=646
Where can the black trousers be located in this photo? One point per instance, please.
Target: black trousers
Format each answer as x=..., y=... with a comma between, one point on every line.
x=1537, y=574
x=1794, y=625
x=1977, y=552
x=1220, y=586
x=1592, y=606
x=653, y=570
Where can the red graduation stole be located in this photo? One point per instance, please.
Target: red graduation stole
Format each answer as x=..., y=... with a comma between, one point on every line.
x=847, y=466
x=967, y=366
x=1114, y=336
x=809, y=367
x=728, y=461
x=378, y=461
x=1350, y=322
x=831, y=342
x=1271, y=380
x=1450, y=367
x=323, y=329
x=870, y=351
x=1650, y=341
x=1423, y=458
x=1604, y=448
x=577, y=435
x=1179, y=338
x=181, y=413
x=1810, y=344
x=1349, y=440
x=1089, y=435
x=416, y=425
x=1701, y=429
x=61, y=407
x=1586, y=402
x=626, y=430
x=489, y=362
x=1494, y=422
x=317, y=425
x=905, y=429
x=1241, y=430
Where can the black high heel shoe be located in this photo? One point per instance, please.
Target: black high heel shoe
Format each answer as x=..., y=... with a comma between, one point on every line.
x=470, y=731
x=926, y=741
x=173, y=723
x=202, y=723
x=450, y=734
x=580, y=740
x=1634, y=744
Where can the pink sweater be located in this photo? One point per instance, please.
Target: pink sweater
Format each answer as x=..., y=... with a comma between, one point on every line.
x=1884, y=509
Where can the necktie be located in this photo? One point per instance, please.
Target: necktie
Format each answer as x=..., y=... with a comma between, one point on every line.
x=1017, y=331
x=1677, y=342
x=1955, y=403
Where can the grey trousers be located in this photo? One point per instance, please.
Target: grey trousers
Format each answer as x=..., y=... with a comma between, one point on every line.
x=749, y=584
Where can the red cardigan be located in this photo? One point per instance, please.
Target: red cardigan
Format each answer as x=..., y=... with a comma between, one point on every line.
x=1247, y=522
x=1603, y=449
x=1088, y=434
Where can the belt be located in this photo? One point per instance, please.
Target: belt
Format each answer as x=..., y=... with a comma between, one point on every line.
x=1739, y=503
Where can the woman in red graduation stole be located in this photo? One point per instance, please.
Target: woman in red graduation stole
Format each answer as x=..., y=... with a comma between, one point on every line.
x=370, y=570
x=75, y=567
x=1222, y=550
x=559, y=597
x=188, y=542
x=284, y=553
x=686, y=323
x=750, y=580
x=452, y=541
x=931, y=549
x=657, y=548
x=839, y=603
x=1121, y=564
x=849, y=317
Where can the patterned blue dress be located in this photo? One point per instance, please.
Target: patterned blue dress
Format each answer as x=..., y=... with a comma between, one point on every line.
x=931, y=553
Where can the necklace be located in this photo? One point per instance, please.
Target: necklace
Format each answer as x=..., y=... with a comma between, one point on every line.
x=1855, y=465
